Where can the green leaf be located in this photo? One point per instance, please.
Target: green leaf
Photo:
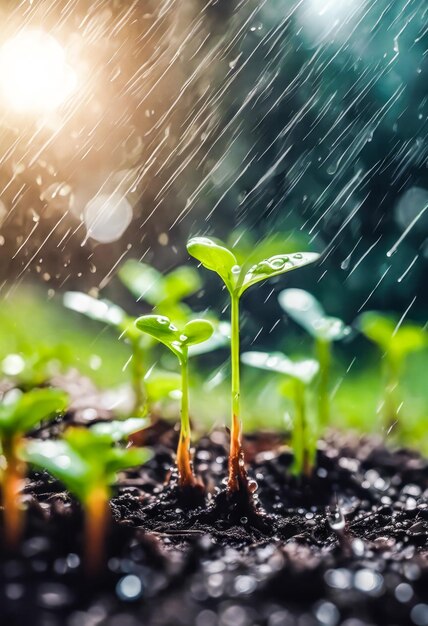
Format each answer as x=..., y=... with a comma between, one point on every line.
x=214, y=256
x=83, y=460
x=276, y=265
x=99, y=310
x=161, y=328
x=121, y=459
x=30, y=409
x=143, y=281
x=161, y=384
x=391, y=338
x=219, y=339
x=61, y=461
x=196, y=331
x=116, y=430
x=305, y=309
x=181, y=283
x=304, y=370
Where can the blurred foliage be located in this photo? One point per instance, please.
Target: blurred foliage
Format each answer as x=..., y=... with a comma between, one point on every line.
x=357, y=382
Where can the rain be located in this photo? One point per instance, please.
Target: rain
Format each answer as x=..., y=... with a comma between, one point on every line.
x=272, y=135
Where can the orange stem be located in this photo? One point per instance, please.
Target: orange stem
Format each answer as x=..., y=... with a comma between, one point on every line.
x=186, y=478
x=96, y=520
x=13, y=477
x=237, y=473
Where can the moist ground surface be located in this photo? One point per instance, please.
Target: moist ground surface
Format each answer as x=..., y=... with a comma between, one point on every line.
x=348, y=546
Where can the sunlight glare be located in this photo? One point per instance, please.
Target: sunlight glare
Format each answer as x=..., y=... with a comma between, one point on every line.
x=34, y=74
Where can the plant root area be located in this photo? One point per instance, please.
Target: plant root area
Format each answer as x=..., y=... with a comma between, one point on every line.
x=348, y=546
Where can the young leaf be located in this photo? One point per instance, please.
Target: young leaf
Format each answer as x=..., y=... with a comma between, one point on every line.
x=143, y=281
x=146, y=283
x=30, y=409
x=99, y=310
x=383, y=330
x=161, y=384
x=116, y=430
x=219, y=338
x=196, y=331
x=61, y=461
x=304, y=309
x=214, y=256
x=276, y=265
x=83, y=460
x=181, y=283
x=304, y=370
x=161, y=328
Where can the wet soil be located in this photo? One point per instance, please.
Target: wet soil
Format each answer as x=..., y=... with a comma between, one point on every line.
x=348, y=546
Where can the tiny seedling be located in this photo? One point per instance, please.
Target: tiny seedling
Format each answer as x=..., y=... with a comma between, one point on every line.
x=215, y=256
x=164, y=293
x=305, y=309
x=18, y=415
x=113, y=315
x=86, y=462
x=302, y=373
x=396, y=342
x=179, y=341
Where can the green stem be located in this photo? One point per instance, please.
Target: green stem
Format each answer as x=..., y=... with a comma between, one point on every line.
x=186, y=476
x=323, y=349
x=303, y=448
x=236, y=391
x=138, y=372
x=185, y=421
x=392, y=396
x=237, y=476
x=297, y=439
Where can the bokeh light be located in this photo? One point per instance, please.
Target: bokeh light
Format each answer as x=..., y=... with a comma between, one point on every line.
x=107, y=216
x=34, y=74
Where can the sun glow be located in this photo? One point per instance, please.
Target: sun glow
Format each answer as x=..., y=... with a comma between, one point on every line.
x=34, y=74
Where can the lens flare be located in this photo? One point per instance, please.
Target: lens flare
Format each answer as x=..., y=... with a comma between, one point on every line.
x=34, y=74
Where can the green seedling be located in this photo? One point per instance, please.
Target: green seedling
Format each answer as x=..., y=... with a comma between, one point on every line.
x=301, y=373
x=215, y=256
x=396, y=342
x=164, y=293
x=18, y=415
x=109, y=313
x=86, y=462
x=35, y=364
x=179, y=341
x=304, y=309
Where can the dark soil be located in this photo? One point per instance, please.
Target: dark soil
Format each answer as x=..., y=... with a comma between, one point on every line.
x=346, y=547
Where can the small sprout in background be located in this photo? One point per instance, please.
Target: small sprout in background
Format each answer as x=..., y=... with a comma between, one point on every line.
x=86, y=462
x=19, y=414
x=305, y=309
x=164, y=293
x=35, y=364
x=179, y=341
x=396, y=342
x=109, y=313
x=302, y=373
x=215, y=256
x=161, y=385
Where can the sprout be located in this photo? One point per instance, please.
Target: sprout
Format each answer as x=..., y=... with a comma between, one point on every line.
x=86, y=461
x=164, y=293
x=396, y=341
x=17, y=417
x=304, y=309
x=179, y=341
x=216, y=257
x=302, y=373
x=113, y=315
